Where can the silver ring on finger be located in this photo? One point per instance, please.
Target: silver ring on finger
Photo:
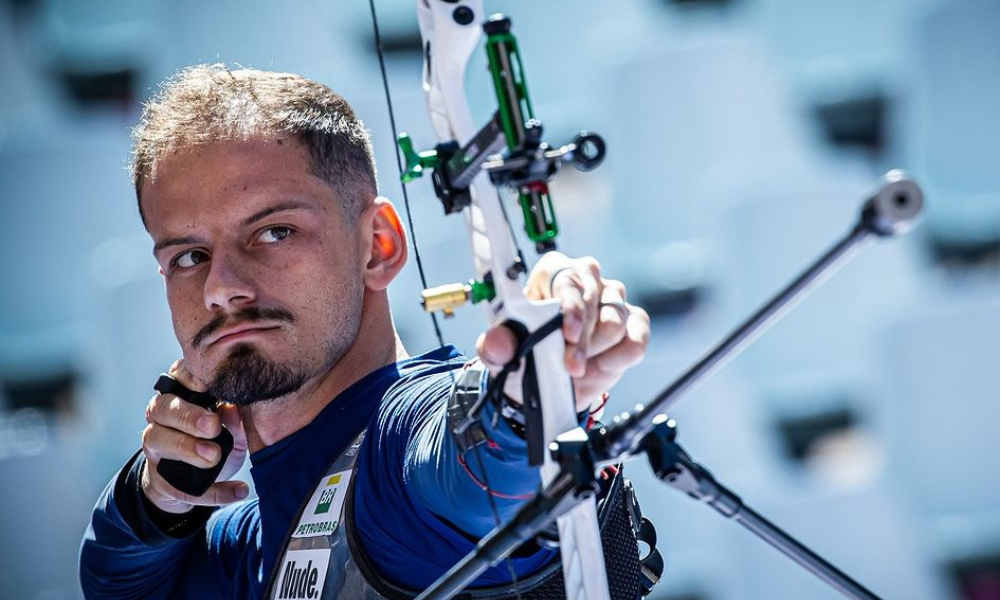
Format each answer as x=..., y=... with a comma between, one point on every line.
x=620, y=306
x=552, y=279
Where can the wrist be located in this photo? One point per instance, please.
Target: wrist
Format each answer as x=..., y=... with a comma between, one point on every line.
x=168, y=518
x=146, y=522
x=157, y=500
x=172, y=525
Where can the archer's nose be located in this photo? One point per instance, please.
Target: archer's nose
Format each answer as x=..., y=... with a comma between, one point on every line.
x=229, y=284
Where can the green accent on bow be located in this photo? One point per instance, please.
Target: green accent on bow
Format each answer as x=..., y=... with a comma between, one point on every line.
x=416, y=162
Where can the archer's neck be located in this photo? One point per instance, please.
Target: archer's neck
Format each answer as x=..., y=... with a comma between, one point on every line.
x=376, y=345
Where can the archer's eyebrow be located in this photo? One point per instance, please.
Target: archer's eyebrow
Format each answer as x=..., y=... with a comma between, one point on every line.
x=290, y=205
x=177, y=241
x=281, y=207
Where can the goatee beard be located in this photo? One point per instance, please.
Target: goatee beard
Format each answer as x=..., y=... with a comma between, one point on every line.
x=246, y=377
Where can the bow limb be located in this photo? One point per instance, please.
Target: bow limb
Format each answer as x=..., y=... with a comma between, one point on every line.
x=447, y=48
x=448, y=44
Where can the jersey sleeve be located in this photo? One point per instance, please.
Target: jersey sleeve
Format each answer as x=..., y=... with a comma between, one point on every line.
x=125, y=555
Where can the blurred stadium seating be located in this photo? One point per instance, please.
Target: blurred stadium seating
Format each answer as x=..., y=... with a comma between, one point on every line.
x=742, y=135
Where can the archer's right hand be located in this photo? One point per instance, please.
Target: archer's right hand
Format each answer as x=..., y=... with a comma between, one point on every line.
x=183, y=431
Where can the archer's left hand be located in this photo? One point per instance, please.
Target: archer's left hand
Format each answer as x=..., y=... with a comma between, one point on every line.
x=605, y=335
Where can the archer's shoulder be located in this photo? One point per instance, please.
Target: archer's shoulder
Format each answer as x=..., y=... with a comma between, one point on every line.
x=440, y=359
x=428, y=369
x=423, y=386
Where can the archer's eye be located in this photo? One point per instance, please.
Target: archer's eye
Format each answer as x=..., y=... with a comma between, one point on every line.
x=274, y=234
x=189, y=259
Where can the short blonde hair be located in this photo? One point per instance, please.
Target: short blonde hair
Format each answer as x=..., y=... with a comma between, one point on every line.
x=211, y=103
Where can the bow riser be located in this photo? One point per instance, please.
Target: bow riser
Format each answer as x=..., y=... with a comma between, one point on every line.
x=448, y=45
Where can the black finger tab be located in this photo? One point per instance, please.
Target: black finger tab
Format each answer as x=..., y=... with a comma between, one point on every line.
x=168, y=385
x=186, y=477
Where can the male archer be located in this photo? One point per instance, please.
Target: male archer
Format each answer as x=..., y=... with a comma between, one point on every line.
x=258, y=190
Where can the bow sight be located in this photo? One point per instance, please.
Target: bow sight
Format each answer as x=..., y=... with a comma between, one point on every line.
x=509, y=147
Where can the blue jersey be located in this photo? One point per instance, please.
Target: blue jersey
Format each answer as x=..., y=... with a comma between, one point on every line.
x=418, y=507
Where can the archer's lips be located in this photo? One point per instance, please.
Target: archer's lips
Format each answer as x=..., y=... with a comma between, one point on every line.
x=238, y=333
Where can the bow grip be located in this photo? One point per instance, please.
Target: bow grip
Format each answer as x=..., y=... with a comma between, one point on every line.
x=186, y=477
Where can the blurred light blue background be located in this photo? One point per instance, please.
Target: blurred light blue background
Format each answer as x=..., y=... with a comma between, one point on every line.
x=743, y=135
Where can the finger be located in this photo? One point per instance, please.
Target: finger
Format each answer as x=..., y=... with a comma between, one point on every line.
x=496, y=347
x=612, y=291
x=631, y=350
x=542, y=277
x=579, y=294
x=224, y=492
x=234, y=462
x=610, y=331
x=590, y=276
x=578, y=291
x=171, y=411
x=230, y=417
x=160, y=443
x=612, y=319
x=569, y=288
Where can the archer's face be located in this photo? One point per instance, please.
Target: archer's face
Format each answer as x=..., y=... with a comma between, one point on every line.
x=263, y=274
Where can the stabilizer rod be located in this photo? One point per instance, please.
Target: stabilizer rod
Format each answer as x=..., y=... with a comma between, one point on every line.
x=891, y=210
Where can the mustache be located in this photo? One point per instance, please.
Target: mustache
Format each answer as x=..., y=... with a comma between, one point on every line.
x=250, y=314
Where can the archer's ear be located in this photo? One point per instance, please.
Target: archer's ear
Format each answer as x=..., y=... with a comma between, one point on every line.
x=386, y=252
